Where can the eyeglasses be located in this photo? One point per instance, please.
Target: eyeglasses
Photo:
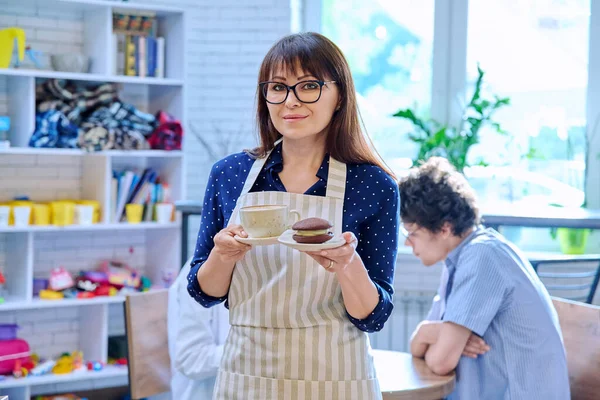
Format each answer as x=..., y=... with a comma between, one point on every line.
x=408, y=235
x=305, y=91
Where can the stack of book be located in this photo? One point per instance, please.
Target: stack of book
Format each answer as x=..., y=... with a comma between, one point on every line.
x=139, y=51
x=133, y=187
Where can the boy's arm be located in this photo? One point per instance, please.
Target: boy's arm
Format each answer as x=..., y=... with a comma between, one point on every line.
x=443, y=355
x=425, y=335
x=443, y=343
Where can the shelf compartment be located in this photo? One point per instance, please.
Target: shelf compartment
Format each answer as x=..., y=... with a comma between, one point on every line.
x=18, y=254
x=21, y=109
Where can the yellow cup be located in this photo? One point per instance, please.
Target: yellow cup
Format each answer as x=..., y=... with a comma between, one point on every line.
x=41, y=214
x=134, y=213
x=63, y=212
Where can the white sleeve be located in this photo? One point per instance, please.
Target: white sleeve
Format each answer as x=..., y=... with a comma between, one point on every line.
x=438, y=306
x=435, y=313
x=196, y=353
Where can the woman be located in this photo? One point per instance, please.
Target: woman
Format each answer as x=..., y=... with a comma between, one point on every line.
x=298, y=330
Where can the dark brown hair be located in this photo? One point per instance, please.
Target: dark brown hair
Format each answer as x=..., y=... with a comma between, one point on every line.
x=319, y=56
x=436, y=193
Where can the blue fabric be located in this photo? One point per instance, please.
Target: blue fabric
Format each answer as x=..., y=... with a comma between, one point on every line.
x=493, y=291
x=370, y=211
x=54, y=130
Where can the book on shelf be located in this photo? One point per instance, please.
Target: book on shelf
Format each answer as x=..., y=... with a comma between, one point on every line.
x=137, y=48
x=133, y=187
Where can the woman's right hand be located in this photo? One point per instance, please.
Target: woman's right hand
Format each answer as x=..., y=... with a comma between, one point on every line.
x=227, y=249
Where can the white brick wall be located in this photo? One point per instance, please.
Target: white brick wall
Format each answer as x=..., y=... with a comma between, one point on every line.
x=50, y=31
x=41, y=178
x=77, y=251
x=49, y=332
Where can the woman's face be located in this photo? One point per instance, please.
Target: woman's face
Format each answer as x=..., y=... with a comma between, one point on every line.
x=295, y=119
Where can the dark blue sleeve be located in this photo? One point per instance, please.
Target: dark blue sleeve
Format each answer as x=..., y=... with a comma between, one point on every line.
x=212, y=221
x=378, y=248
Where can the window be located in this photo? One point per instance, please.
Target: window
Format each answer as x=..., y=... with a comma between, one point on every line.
x=536, y=53
x=388, y=44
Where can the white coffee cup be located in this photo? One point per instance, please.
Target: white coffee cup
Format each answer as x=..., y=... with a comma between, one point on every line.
x=21, y=215
x=84, y=214
x=4, y=215
x=164, y=212
x=263, y=221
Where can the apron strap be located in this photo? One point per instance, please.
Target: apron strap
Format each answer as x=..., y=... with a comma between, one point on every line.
x=336, y=179
x=257, y=166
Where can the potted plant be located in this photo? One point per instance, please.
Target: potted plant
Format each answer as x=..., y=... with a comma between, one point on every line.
x=573, y=241
x=454, y=143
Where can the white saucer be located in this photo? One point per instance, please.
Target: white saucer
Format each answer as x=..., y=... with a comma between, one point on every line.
x=286, y=239
x=257, y=241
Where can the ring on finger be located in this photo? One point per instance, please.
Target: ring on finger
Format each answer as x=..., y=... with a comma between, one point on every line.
x=330, y=264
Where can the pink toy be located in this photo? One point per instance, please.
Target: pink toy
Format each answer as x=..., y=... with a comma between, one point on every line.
x=12, y=351
x=120, y=274
x=60, y=279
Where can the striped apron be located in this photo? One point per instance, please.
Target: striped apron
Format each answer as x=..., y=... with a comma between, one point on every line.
x=290, y=337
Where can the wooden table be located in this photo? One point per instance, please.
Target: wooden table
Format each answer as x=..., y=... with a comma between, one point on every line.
x=403, y=377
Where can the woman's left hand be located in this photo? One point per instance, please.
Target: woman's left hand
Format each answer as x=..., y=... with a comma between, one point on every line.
x=337, y=259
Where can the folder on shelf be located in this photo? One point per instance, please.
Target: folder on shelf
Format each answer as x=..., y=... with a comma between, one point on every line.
x=124, y=184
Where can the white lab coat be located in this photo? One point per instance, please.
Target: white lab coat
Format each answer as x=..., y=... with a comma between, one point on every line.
x=196, y=337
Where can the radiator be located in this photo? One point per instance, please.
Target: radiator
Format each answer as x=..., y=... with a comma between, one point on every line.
x=410, y=308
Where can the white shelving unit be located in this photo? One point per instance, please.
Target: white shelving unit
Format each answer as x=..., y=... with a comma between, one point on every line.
x=24, y=251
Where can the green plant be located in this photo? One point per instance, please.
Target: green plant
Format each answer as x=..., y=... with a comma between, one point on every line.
x=573, y=240
x=454, y=143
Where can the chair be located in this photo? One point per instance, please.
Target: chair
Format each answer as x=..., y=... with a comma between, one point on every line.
x=147, y=342
x=581, y=271
x=580, y=325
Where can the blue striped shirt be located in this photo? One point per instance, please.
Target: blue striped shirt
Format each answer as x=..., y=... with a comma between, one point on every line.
x=493, y=291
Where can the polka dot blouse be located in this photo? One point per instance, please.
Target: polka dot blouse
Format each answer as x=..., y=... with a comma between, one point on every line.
x=371, y=212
